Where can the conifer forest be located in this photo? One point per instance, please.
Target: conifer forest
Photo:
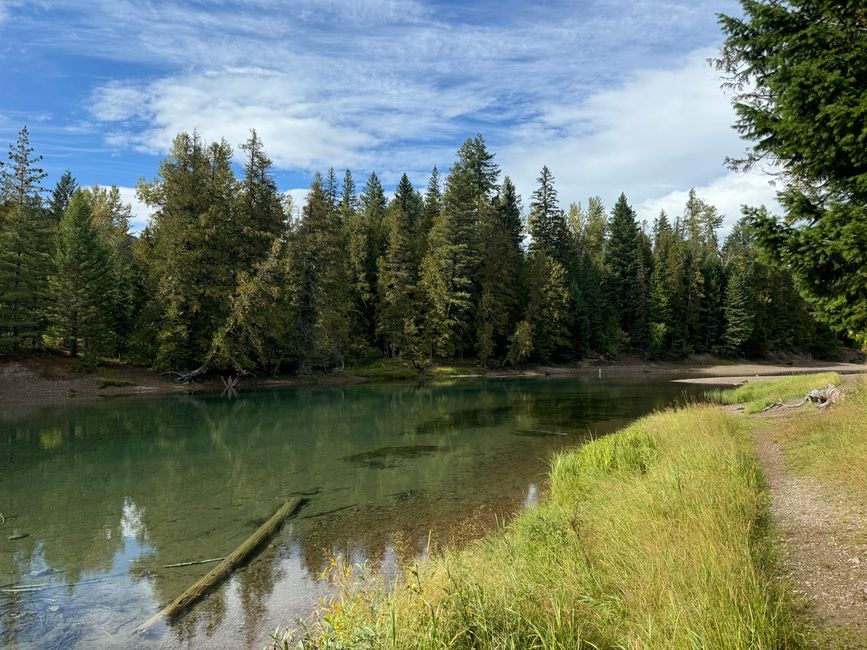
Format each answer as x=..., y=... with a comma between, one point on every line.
x=229, y=275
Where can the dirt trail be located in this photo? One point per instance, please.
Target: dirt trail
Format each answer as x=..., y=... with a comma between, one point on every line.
x=824, y=545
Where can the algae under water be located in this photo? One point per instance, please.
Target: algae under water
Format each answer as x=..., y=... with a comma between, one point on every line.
x=97, y=498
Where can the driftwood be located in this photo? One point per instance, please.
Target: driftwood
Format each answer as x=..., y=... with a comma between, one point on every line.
x=221, y=571
x=823, y=397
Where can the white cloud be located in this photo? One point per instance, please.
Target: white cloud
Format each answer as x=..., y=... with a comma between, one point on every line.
x=140, y=212
x=653, y=137
x=728, y=193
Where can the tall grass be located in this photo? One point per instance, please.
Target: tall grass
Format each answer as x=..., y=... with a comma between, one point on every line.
x=759, y=394
x=654, y=537
x=832, y=445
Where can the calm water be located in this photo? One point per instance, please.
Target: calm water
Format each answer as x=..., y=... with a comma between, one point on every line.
x=110, y=492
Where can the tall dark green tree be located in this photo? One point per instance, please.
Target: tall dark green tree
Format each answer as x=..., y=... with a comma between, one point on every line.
x=124, y=294
x=398, y=314
x=61, y=195
x=80, y=313
x=193, y=198
x=798, y=69
x=324, y=302
x=25, y=241
x=449, y=269
x=547, y=221
x=628, y=273
x=260, y=215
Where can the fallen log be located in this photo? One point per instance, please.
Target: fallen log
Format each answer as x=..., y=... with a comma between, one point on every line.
x=221, y=571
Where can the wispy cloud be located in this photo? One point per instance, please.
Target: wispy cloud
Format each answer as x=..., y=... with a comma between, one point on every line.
x=612, y=94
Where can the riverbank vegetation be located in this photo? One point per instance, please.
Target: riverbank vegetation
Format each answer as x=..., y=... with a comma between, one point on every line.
x=656, y=536
x=230, y=276
x=832, y=446
x=756, y=395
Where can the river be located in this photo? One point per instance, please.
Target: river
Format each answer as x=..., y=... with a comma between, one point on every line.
x=96, y=498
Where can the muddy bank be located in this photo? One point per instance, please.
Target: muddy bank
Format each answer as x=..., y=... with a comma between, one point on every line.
x=47, y=379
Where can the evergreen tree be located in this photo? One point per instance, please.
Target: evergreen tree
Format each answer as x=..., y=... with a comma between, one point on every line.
x=398, y=321
x=61, y=195
x=547, y=221
x=430, y=212
x=798, y=71
x=348, y=197
x=739, y=321
x=260, y=214
x=476, y=161
x=81, y=282
x=500, y=278
x=450, y=266
x=628, y=273
x=193, y=229
x=25, y=240
x=323, y=305
x=549, y=307
x=124, y=296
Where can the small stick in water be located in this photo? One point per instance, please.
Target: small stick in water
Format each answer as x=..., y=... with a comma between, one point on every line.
x=191, y=563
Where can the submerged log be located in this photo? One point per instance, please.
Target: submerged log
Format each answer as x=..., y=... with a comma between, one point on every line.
x=220, y=572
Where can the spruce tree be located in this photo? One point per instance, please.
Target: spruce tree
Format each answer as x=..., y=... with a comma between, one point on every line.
x=125, y=295
x=25, y=241
x=628, y=273
x=398, y=318
x=61, y=195
x=323, y=303
x=450, y=266
x=430, y=212
x=260, y=214
x=81, y=283
x=547, y=221
x=739, y=321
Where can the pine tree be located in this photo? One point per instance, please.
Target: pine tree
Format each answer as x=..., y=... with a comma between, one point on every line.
x=25, y=240
x=450, y=266
x=322, y=276
x=430, y=212
x=61, y=195
x=476, y=161
x=547, y=221
x=739, y=322
x=124, y=296
x=80, y=285
x=348, y=197
x=194, y=226
x=628, y=273
x=260, y=214
x=549, y=307
x=398, y=319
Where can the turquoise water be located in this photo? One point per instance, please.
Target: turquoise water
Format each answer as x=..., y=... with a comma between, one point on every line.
x=98, y=497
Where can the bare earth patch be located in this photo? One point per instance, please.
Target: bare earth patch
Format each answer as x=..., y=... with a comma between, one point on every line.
x=824, y=546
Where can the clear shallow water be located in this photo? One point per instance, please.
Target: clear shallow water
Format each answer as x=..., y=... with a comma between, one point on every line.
x=110, y=492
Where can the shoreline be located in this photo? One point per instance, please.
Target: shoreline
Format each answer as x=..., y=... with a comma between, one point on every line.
x=45, y=380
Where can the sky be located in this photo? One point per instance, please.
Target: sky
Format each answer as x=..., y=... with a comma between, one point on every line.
x=613, y=95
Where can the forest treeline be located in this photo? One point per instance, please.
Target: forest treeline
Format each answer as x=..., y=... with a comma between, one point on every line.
x=228, y=276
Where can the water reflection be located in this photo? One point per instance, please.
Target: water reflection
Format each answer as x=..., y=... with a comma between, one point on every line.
x=110, y=493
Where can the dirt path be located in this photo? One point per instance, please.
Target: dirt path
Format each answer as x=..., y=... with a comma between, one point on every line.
x=824, y=545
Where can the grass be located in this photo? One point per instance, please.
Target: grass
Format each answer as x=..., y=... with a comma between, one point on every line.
x=653, y=537
x=832, y=445
x=759, y=394
x=386, y=371
x=114, y=382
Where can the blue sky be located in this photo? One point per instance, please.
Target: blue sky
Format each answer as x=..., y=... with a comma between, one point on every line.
x=614, y=95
